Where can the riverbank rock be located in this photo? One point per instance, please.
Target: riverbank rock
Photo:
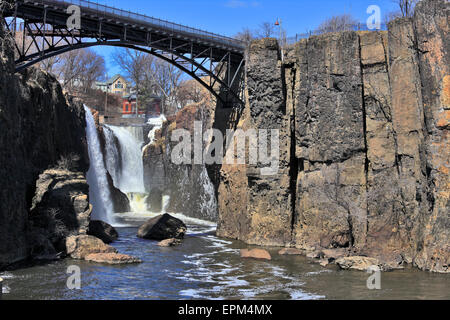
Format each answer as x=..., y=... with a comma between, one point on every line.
x=39, y=127
x=60, y=207
x=259, y=254
x=291, y=252
x=112, y=258
x=103, y=231
x=162, y=227
x=120, y=200
x=357, y=263
x=170, y=243
x=79, y=247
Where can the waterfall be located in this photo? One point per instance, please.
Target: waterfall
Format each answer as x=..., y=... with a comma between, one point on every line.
x=165, y=204
x=129, y=177
x=99, y=193
x=208, y=198
x=125, y=164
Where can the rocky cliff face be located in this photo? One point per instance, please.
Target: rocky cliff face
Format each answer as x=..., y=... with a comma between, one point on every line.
x=364, y=149
x=187, y=185
x=43, y=160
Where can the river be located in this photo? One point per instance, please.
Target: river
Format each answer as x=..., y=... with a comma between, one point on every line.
x=206, y=267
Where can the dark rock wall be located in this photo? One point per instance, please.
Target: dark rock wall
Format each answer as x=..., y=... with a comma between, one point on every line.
x=185, y=184
x=364, y=150
x=38, y=128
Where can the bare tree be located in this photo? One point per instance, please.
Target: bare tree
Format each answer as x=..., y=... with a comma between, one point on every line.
x=344, y=22
x=93, y=69
x=79, y=69
x=266, y=30
x=152, y=76
x=406, y=7
x=246, y=35
x=5, y=4
x=190, y=91
x=390, y=16
x=133, y=63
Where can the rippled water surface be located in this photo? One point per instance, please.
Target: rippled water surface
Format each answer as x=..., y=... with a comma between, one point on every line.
x=205, y=266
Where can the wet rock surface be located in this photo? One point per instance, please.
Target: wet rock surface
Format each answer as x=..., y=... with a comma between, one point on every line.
x=79, y=247
x=103, y=231
x=162, y=227
x=259, y=254
x=112, y=258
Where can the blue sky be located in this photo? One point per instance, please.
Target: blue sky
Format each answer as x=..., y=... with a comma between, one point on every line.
x=227, y=17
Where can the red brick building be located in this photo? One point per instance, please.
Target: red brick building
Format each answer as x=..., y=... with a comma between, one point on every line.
x=152, y=110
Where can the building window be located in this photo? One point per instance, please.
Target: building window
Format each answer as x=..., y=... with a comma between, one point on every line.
x=119, y=85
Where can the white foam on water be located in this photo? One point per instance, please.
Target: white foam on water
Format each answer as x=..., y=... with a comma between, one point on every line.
x=7, y=275
x=192, y=293
x=6, y=289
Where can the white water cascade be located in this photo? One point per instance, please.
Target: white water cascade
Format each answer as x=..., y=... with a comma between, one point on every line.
x=126, y=165
x=209, y=202
x=130, y=176
x=99, y=193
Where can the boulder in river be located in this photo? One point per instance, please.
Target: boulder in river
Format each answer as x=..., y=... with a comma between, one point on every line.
x=357, y=263
x=170, y=243
x=162, y=227
x=256, y=254
x=291, y=252
x=103, y=231
x=112, y=258
x=79, y=247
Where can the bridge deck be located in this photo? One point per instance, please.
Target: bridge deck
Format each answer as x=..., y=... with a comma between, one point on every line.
x=139, y=28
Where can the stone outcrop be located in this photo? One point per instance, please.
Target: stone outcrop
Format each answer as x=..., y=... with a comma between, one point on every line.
x=162, y=227
x=357, y=263
x=112, y=258
x=92, y=249
x=103, y=231
x=60, y=207
x=79, y=247
x=163, y=177
x=255, y=208
x=258, y=254
x=39, y=128
x=169, y=243
x=364, y=121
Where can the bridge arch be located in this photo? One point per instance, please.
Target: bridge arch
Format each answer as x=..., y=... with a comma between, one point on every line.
x=216, y=62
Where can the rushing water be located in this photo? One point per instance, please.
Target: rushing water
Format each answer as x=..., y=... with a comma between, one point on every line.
x=206, y=267
x=129, y=178
x=99, y=193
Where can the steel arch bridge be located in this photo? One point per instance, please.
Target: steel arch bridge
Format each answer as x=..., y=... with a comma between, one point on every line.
x=40, y=29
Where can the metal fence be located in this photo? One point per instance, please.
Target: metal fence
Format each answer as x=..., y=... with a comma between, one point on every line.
x=353, y=27
x=108, y=11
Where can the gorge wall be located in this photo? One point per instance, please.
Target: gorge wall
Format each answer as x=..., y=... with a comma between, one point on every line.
x=43, y=164
x=364, y=119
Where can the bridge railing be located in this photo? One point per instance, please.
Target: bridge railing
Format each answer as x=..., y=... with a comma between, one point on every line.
x=153, y=22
